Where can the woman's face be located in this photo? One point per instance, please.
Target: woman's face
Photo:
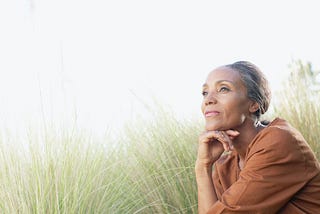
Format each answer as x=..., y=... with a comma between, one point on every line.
x=225, y=103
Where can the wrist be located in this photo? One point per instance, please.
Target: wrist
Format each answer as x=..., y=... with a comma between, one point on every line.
x=204, y=163
x=203, y=168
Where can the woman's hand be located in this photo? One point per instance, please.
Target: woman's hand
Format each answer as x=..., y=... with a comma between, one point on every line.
x=212, y=144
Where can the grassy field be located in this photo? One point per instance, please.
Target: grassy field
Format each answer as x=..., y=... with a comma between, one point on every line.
x=148, y=169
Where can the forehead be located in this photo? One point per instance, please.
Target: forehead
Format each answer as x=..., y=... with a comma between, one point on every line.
x=224, y=74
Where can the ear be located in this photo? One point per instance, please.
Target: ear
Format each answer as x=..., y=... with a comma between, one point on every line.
x=254, y=107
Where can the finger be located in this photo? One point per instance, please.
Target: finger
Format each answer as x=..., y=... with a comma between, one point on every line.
x=232, y=133
x=223, y=140
x=226, y=140
x=209, y=136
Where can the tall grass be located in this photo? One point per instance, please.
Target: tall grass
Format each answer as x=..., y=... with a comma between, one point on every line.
x=163, y=156
x=60, y=174
x=148, y=169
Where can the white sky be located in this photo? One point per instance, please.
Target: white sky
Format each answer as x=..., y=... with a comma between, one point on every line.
x=101, y=60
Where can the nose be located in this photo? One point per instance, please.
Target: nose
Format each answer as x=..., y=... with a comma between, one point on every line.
x=210, y=99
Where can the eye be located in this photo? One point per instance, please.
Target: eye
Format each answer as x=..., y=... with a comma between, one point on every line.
x=223, y=89
x=204, y=93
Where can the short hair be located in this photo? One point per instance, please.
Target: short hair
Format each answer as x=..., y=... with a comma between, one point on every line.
x=256, y=83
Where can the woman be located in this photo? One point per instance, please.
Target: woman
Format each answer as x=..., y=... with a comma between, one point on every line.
x=258, y=167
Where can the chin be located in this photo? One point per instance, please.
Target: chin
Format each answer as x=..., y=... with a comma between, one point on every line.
x=218, y=126
x=214, y=127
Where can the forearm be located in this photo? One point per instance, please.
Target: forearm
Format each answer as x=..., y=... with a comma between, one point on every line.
x=206, y=192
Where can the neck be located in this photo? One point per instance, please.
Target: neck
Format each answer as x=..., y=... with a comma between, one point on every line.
x=248, y=130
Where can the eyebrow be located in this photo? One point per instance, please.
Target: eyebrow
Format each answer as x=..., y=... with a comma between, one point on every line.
x=206, y=85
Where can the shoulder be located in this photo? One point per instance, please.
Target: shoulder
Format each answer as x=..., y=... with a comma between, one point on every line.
x=279, y=143
x=282, y=128
x=278, y=133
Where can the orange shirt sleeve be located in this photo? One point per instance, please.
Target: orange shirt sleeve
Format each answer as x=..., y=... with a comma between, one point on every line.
x=278, y=164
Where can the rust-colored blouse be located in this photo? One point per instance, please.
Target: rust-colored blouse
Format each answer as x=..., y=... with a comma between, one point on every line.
x=280, y=175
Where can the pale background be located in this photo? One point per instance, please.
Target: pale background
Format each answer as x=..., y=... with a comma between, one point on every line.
x=99, y=63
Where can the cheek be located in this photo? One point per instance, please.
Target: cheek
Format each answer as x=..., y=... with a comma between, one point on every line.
x=238, y=110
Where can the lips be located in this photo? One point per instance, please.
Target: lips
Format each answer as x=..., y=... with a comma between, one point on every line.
x=211, y=113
